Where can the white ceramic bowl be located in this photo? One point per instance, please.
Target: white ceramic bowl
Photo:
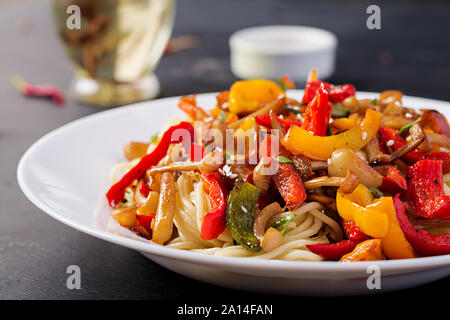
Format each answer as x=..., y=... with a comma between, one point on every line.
x=66, y=174
x=273, y=51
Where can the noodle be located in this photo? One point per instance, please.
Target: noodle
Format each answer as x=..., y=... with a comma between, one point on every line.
x=192, y=204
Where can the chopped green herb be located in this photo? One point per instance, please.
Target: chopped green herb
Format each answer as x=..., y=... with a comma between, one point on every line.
x=288, y=222
x=294, y=111
x=377, y=193
x=282, y=85
x=209, y=147
x=222, y=116
x=226, y=156
x=282, y=221
x=409, y=125
x=282, y=159
x=339, y=111
x=329, y=132
x=374, y=102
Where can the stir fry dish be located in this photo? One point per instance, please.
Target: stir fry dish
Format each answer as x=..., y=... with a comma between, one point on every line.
x=264, y=176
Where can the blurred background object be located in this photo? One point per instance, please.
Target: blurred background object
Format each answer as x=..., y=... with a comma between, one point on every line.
x=117, y=47
x=410, y=53
x=273, y=51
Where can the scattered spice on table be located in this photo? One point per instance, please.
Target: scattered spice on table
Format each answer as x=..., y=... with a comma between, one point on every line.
x=181, y=43
x=38, y=90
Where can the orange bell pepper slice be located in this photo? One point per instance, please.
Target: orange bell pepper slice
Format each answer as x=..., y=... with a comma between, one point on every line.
x=300, y=141
x=368, y=250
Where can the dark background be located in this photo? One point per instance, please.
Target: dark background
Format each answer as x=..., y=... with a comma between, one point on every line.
x=410, y=53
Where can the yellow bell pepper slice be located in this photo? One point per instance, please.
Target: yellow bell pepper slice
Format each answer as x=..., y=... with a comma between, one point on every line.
x=347, y=204
x=345, y=123
x=248, y=95
x=300, y=141
x=394, y=244
x=247, y=124
x=371, y=220
x=359, y=207
x=375, y=218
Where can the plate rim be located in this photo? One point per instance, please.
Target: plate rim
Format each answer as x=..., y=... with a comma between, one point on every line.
x=404, y=265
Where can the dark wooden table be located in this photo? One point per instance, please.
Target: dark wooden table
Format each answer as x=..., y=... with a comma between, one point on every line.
x=411, y=53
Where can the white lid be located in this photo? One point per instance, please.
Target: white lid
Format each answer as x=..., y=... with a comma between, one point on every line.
x=272, y=51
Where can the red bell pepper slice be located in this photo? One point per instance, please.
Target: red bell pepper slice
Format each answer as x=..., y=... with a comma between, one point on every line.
x=423, y=242
x=144, y=190
x=426, y=190
x=335, y=93
x=333, y=251
x=287, y=179
x=393, y=183
x=214, y=222
x=440, y=155
x=352, y=231
x=265, y=121
x=197, y=152
x=317, y=114
x=174, y=134
x=388, y=134
x=145, y=221
x=287, y=123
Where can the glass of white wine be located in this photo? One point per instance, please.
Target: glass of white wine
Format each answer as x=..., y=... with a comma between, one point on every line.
x=116, y=48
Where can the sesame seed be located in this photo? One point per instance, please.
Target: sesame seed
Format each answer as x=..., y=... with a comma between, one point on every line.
x=390, y=143
x=244, y=209
x=408, y=115
x=364, y=135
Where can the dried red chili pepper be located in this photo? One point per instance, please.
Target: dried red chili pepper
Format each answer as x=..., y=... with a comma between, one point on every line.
x=115, y=193
x=33, y=90
x=423, y=242
x=426, y=190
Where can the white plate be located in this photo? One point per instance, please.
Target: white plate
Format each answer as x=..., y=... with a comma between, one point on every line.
x=66, y=173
